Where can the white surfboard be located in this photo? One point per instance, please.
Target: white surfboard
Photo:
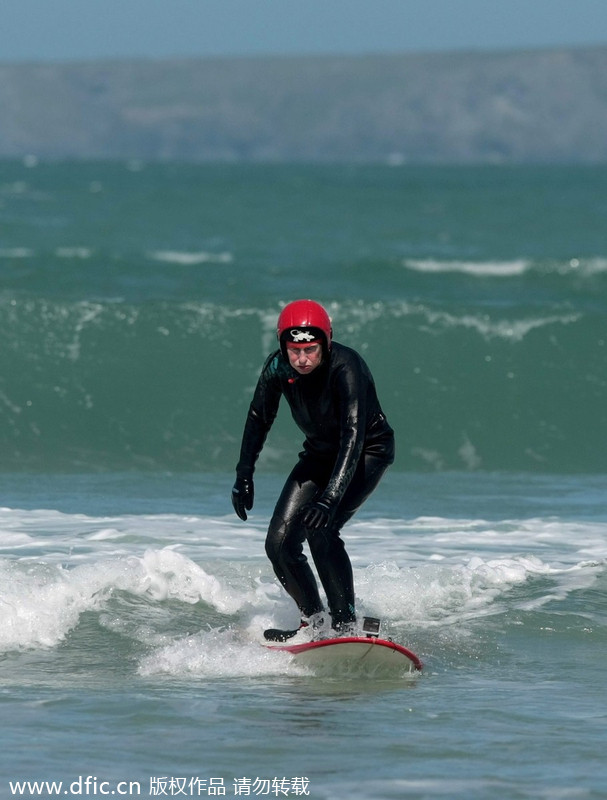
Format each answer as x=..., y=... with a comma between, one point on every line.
x=355, y=655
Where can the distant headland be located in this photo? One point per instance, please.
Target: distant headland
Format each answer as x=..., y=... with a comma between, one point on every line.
x=531, y=106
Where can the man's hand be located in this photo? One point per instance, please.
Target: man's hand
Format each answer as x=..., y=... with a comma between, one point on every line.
x=242, y=496
x=317, y=515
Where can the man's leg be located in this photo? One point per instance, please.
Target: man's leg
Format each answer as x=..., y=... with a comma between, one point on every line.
x=327, y=548
x=286, y=535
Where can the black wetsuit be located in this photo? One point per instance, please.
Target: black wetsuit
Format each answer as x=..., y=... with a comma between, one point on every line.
x=348, y=446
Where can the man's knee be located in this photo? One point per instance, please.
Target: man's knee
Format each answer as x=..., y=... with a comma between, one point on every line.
x=325, y=542
x=274, y=540
x=282, y=545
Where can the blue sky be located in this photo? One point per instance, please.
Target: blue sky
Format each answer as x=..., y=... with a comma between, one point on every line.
x=67, y=30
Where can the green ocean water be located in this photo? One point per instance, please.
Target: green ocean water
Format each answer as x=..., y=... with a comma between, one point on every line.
x=138, y=302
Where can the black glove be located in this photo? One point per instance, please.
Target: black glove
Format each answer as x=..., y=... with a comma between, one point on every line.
x=242, y=496
x=318, y=514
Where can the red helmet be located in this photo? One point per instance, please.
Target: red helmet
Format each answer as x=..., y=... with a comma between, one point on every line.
x=304, y=321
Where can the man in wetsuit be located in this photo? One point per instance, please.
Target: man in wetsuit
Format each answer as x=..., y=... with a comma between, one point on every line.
x=348, y=446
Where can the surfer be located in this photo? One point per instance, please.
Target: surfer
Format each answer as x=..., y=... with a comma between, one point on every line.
x=348, y=447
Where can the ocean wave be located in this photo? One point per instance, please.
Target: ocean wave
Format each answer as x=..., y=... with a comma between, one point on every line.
x=74, y=251
x=490, y=328
x=191, y=258
x=16, y=252
x=118, y=385
x=355, y=316
x=137, y=596
x=190, y=595
x=587, y=266
x=493, y=269
x=43, y=602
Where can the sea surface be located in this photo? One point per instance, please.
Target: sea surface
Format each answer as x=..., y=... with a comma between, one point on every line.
x=137, y=305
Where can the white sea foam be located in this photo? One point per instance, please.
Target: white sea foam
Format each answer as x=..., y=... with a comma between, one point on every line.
x=42, y=602
x=214, y=654
x=585, y=267
x=493, y=269
x=411, y=602
x=435, y=321
x=418, y=575
x=489, y=328
x=185, y=258
x=76, y=252
x=16, y=252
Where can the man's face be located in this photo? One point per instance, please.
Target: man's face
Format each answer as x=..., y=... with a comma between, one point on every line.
x=304, y=358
